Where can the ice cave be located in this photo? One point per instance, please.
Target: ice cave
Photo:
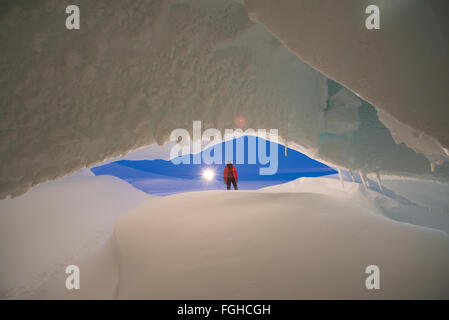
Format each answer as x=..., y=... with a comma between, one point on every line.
x=363, y=148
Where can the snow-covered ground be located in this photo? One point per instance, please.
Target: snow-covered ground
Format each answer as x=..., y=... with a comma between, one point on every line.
x=56, y=224
x=303, y=239
x=309, y=238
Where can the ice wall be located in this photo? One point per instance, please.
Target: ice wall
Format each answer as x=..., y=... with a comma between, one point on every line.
x=402, y=69
x=138, y=69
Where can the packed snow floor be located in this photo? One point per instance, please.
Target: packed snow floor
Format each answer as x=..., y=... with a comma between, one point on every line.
x=59, y=223
x=301, y=240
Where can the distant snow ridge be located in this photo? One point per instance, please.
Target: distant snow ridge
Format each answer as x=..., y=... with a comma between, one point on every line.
x=138, y=69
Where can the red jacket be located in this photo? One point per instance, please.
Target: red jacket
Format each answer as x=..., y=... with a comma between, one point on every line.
x=231, y=174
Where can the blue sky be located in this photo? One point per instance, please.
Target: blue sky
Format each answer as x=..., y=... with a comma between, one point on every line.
x=163, y=177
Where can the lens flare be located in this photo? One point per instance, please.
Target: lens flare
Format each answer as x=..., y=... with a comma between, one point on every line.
x=240, y=122
x=208, y=175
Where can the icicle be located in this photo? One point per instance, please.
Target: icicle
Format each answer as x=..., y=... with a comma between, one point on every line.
x=341, y=178
x=446, y=151
x=352, y=175
x=363, y=178
x=379, y=180
x=285, y=145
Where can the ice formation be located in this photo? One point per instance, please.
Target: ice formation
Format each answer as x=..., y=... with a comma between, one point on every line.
x=340, y=175
x=402, y=69
x=138, y=69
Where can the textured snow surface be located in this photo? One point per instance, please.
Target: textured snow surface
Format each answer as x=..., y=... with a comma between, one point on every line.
x=138, y=69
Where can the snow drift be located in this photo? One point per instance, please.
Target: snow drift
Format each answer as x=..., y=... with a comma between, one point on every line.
x=309, y=238
x=138, y=69
x=59, y=223
x=306, y=239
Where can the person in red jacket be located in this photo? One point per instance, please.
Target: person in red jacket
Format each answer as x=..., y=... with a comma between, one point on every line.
x=230, y=176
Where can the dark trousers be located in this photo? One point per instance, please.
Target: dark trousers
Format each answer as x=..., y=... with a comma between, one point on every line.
x=228, y=184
